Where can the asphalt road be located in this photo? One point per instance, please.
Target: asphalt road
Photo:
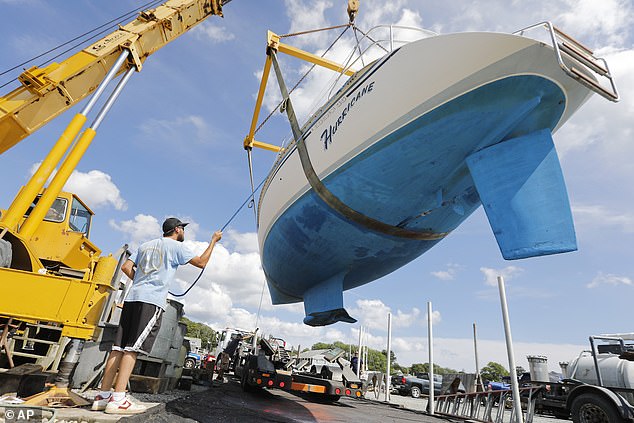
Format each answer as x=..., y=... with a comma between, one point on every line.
x=227, y=403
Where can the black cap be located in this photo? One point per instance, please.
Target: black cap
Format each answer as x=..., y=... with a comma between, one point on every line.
x=171, y=223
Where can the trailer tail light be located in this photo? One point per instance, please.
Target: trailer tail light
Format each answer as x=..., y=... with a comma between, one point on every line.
x=258, y=381
x=337, y=391
x=348, y=392
x=282, y=384
x=269, y=383
x=358, y=394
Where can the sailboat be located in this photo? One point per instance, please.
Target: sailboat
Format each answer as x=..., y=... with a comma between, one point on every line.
x=410, y=146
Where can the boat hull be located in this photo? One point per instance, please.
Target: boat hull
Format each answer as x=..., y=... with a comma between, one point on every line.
x=395, y=145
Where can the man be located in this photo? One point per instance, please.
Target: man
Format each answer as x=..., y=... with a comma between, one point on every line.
x=226, y=356
x=151, y=269
x=354, y=363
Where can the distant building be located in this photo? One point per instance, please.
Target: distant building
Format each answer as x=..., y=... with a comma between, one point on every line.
x=196, y=344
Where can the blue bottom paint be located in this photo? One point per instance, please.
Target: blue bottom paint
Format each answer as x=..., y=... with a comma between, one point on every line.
x=416, y=177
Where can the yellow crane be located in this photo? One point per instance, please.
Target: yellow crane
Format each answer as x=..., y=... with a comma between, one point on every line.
x=50, y=271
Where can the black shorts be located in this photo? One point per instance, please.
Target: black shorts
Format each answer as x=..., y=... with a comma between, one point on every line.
x=138, y=327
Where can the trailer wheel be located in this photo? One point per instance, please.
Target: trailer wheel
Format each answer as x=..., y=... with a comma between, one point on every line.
x=243, y=381
x=589, y=408
x=415, y=392
x=332, y=398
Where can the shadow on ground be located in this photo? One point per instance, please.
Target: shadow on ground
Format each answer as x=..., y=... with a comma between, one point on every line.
x=227, y=403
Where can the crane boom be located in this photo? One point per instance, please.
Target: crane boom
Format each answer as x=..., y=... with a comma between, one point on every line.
x=47, y=92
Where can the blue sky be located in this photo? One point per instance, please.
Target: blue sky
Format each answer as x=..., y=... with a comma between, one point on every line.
x=172, y=145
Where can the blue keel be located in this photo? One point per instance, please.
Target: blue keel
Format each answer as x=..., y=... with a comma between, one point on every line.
x=522, y=188
x=323, y=303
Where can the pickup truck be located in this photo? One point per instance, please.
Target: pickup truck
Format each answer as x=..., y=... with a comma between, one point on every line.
x=416, y=385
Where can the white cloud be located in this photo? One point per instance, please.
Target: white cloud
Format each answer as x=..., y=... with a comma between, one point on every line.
x=435, y=317
x=602, y=279
x=307, y=15
x=142, y=228
x=209, y=31
x=606, y=19
x=241, y=242
x=447, y=275
x=239, y=275
x=94, y=187
x=373, y=314
x=177, y=130
x=508, y=273
x=603, y=128
x=601, y=216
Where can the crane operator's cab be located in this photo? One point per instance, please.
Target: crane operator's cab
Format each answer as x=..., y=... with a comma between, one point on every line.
x=61, y=241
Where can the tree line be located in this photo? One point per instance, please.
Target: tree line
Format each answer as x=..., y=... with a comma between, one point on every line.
x=377, y=361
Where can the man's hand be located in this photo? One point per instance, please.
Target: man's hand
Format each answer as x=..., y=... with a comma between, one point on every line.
x=202, y=260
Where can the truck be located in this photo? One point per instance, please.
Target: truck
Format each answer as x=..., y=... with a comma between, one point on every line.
x=599, y=386
x=45, y=245
x=266, y=363
x=225, y=337
x=417, y=384
x=329, y=378
x=262, y=363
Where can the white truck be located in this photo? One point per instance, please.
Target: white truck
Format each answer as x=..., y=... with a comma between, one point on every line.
x=598, y=387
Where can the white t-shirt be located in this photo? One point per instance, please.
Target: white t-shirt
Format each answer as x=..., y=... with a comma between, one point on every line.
x=156, y=263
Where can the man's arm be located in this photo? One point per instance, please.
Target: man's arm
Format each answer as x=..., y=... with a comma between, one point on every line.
x=202, y=260
x=128, y=269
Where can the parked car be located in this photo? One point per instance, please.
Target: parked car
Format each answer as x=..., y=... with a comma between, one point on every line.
x=416, y=385
x=192, y=360
x=498, y=386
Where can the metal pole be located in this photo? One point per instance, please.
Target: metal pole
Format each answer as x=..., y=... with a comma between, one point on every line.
x=389, y=355
x=478, y=381
x=430, y=341
x=365, y=353
x=28, y=193
x=359, y=351
x=106, y=80
x=70, y=162
x=517, y=404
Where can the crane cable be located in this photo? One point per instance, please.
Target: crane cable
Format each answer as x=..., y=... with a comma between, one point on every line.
x=108, y=27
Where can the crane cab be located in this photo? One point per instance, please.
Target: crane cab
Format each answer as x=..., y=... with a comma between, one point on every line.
x=61, y=242
x=62, y=239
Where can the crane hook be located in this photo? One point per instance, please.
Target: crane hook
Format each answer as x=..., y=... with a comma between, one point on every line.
x=353, y=8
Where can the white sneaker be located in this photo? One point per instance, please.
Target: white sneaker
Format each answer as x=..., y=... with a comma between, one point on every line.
x=124, y=407
x=100, y=403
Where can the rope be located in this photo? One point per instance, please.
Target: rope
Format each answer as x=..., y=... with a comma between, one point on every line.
x=223, y=228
